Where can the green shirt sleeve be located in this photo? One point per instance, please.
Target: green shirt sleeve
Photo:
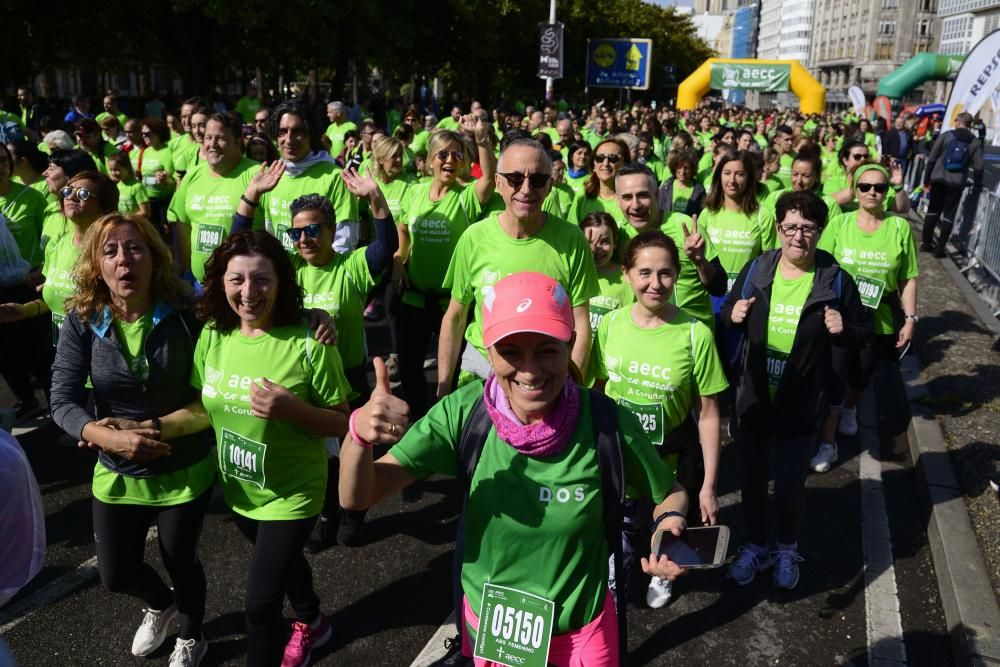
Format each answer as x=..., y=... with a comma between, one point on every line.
x=177, y=211
x=457, y=277
x=329, y=386
x=768, y=232
x=709, y=377
x=583, y=273
x=908, y=261
x=431, y=445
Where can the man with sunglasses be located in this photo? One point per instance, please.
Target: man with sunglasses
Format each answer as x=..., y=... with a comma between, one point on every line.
x=520, y=238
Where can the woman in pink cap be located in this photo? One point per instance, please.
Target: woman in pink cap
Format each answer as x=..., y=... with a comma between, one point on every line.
x=532, y=553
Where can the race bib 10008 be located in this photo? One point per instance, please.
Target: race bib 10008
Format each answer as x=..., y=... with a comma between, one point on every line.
x=870, y=290
x=650, y=417
x=209, y=238
x=515, y=628
x=242, y=458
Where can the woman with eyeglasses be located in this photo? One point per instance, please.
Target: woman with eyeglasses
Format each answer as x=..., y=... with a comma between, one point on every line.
x=599, y=192
x=795, y=306
x=436, y=215
x=130, y=333
x=153, y=164
x=879, y=251
x=89, y=139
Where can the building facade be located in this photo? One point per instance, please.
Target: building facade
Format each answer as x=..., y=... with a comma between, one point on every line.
x=965, y=22
x=857, y=42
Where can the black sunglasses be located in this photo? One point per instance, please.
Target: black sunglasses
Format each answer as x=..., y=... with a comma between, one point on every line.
x=311, y=232
x=458, y=156
x=82, y=194
x=859, y=156
x=613, y=158
x=880, y=188
x=516, y=179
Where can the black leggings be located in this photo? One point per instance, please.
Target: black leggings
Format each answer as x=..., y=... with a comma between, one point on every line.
x=27, y=346
x=418, y=325
x=278, y=568
x=791, y=466
x=120, y=537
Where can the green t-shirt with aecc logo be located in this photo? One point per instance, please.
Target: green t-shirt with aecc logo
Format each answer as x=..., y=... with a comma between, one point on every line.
x=184, y=151
x=24, y=209
x=583, y=205
x=336, y=132
x=615, y=292
x=207, y=202
x=658, y=374
x=340, y=288
x=877, y=260
x=486, y=253
x=548, y=540
x=146, y=162
x=738, y=237
x=60, y=259
x=435, y=228
x=680, y=196
x=689, y=293
x=322, y=178
x=788, y=296
x=271, y=470
x=130, y=195
x=395, y=195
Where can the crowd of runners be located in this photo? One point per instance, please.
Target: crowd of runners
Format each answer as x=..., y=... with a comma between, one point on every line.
x=601, y=295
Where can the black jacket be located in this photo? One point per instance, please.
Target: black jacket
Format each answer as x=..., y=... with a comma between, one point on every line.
x=936, y=174
x=801, y=399
x=892, y=145
x=694, y=205
x=94, y=350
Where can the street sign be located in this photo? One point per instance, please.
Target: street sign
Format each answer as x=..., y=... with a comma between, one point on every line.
x=550, y=50
x=619, y=63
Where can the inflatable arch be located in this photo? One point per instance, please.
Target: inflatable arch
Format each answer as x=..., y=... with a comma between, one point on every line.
x=918, y=69
x=811, y=94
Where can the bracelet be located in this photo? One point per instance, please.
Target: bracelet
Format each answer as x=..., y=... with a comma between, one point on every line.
x=251, y=204
x=354, y=432
x=913, y=317
x=666, y=515
x=897, y=188
x=158, y=425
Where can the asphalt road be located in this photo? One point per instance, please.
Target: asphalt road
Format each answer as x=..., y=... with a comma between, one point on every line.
x=387, y=598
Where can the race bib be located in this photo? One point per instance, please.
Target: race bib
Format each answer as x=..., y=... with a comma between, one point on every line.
x=209, y=238
x=729, y=284
x=650, y=417
x=515, y=628
x=776, y=362
x=149, y=180
x=242, y=458
x=596, y=313
x=57, y=321
x=870, y=290
x=281, y=231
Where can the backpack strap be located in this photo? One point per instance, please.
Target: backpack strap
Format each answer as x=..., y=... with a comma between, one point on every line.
x=611, y=461
x=747, y=290
x=838, y=285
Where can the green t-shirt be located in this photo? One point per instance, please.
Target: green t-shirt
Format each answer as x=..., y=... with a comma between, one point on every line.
x=583, y=205
x=659, y=169
x=322, y=178
x=132, y=336
x=271, y=470
x=615, y=292
x=577, y=183
x=207, y=202
x=486, y=253
x=435, y=228
x=558, y=201
x=787, y=298
x=785, y=170
x=395, y=195
x=184, y=151
x=336, y=132
x=680, y=196
x=548, y=539
x=448, y=123
x=420, y=139
x=689, y=294
x=60, y=259
x=247, y=108
x=877, y=261
x=658, y=373
x=738, y=237
x=152, y=161
x=172, y=488
x=24, y=209
x=54, y=223
x=130, y=195
x=340, y=288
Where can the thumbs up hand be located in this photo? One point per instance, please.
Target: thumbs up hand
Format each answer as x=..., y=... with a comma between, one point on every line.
x=833, y=319
x=740, y=310
x=384, y=418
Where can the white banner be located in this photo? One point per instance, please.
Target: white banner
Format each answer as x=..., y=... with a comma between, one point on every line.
x=857, y=99
x=976, y=81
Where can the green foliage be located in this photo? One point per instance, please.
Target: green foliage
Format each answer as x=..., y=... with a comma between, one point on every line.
x=482, y=48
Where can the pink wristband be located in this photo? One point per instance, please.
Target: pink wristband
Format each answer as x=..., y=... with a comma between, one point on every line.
x=354, y=432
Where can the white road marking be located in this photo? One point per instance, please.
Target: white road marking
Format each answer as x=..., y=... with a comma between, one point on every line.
x=882, y=619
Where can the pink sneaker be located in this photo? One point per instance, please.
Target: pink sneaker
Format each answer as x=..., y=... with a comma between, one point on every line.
x=304, y=639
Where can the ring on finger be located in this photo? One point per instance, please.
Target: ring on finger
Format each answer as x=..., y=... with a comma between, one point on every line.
x=392, y=429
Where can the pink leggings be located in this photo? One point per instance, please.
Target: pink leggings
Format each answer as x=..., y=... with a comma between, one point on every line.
x=593, y=645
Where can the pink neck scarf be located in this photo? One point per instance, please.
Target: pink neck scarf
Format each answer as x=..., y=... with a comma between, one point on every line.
x=544, y=438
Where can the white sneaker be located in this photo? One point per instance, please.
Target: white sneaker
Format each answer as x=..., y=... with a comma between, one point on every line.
x=188, y=652
x=153, y=630
x=825, y=457
x=847, y=424
x=659, y=592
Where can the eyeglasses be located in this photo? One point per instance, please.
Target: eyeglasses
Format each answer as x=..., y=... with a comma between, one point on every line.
x=82, y=194
x=146, y=134
x=859, y=156
x=457, y=156
x=880, y=188
x=516, y=180
x=613, y=158
x=311, y=232
x=808, y=231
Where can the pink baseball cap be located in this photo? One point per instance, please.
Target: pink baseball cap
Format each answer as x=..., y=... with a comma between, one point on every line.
x=526, y=302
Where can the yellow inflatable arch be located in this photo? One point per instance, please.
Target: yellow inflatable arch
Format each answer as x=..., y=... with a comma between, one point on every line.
x=811, y=94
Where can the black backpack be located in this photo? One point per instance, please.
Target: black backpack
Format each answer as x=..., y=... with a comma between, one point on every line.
x=611, y=462
x=956, y=154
